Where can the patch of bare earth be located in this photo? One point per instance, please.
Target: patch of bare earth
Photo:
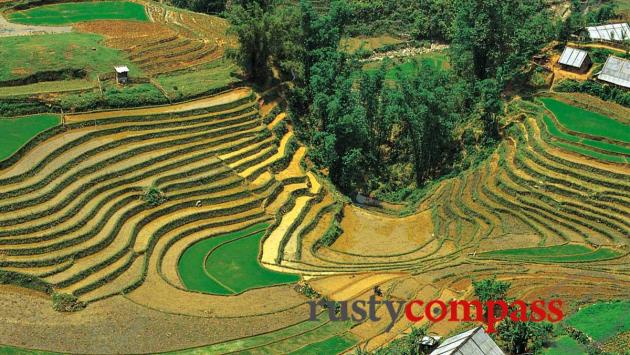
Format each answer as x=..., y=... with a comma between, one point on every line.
x=371, y=234
x=117, y=325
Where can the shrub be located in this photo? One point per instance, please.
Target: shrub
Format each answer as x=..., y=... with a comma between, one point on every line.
x=603, y=91
x=63, y=302
x=153, y=196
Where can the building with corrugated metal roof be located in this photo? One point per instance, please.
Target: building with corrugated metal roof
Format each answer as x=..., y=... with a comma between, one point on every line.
x=614, y=32
x=573, y=59
x=616, y=71
x=473, y=342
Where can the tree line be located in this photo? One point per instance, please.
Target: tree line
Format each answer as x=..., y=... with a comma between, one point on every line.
x=391, y=137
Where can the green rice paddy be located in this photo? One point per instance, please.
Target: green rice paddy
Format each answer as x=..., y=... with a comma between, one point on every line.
x=46, y=87
x=228, y=264
x=556, y=132
x=67, y=13
x=15, y=132
x=583, y=121
x=332, y=345
x=566, y=253
x=565, y=345
x=602, y=320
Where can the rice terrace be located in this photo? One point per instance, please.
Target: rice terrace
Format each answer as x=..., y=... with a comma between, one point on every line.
x=220, y=177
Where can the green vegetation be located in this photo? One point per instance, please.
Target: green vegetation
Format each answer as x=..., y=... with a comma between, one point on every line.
x=556, y=132
x=18, y=131
x=351, y=44
x=228, y=264
x=391, y=140
x=215, y=76
x=587, y=122
x=10, y=350
x=67, y=13
x=46, y=87
x=235, y=264
x=332, y=345
x=557, y=253
x=56, y=52
x=591, y=87
x=565, y=345
x=602, y=320
x=410, y=66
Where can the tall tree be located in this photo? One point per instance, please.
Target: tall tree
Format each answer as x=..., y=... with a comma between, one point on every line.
x=495, y=38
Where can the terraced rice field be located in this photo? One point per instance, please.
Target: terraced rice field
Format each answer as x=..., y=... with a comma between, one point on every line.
x=67, y=13
x=175, y=40
x=554, y=254
x=241, y=219
x=586, y=132
x=97, y=172
x=17, y=131
x=228, y=264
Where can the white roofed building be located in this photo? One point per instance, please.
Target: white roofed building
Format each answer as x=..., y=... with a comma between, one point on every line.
x=614, y=32
x=472, y=342
x=122, y=74
x=616, y=71
x=573, y=59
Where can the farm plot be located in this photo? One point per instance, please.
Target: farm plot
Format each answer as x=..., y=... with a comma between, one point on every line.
x=98, y=174
x=587, y=122
x=228, y=264
x=17, y=131
x=56, y=53
x=68, y=13
x=603, y=320
x=558, y=254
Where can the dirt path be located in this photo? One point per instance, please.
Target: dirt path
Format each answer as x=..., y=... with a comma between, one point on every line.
x=8, y=29
x=597, y=45
x=220, y=99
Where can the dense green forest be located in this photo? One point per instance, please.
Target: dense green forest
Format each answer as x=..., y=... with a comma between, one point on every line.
x=375, y=136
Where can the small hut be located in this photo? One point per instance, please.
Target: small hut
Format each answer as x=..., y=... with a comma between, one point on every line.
x=122, y=74
x=575, y=60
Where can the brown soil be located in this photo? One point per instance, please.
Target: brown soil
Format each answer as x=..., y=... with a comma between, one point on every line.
x=371, y=234
x=117, y=325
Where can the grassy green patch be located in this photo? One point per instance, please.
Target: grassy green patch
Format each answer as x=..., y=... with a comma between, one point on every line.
x=67, y=13
x=26, y=55
x=584, y=121
x=602, y=320
x=257, y=340
x=46, y=87
x=332, y=345
x=18, y=131
x=10, y=350
x=591, y=153
x=565, y=345
x=216, y=75
x=408, y=66
x=351, y=44
x=557, y=253
x=236, y=265
x=228, y=264
x=556, y=132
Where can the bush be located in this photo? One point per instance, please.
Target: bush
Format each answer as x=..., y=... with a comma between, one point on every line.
x=603, y=91
x=153, y=196
x=63, y=302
